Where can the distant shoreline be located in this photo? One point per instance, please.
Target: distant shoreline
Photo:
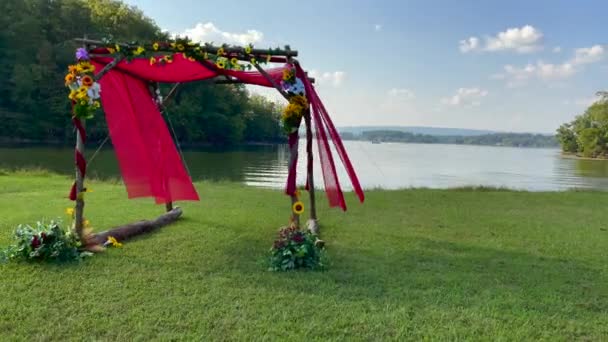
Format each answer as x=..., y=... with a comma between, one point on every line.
x=576, y=156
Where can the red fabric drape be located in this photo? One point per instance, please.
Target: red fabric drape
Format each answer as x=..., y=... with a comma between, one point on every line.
x=148, y=159
x=325, y=128
x=149, y=162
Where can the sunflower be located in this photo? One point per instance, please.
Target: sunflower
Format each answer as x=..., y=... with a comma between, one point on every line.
x=288, y=75
x=96, y=104
x=253, y=60
x=139, y=50
x=111, y=50
x=181, y=47
x=298, y=208
x=155, y=46
x=152, y=60
x=86, y=67
x=117, y=47
x=248, y=49
x=234, y=61
x=112, y=241
x=72, y=95
x=69, y=78
x=220, y=64
x=167, y=59
x=87, y=81
x=69, y=211
x=220, y=51
x=72, y=69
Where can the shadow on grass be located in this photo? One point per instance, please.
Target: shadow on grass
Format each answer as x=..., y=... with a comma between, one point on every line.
x=427, y=272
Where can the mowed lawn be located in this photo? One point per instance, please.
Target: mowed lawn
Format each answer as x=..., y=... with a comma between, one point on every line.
x=406, y=265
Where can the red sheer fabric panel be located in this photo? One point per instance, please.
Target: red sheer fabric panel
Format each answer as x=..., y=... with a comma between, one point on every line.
x=184, y=70
x=324, y=127
x=148, y=159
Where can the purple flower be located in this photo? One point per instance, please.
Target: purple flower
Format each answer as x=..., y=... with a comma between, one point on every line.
x=82, y=54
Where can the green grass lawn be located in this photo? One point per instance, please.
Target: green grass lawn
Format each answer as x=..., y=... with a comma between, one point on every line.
x=411, y=264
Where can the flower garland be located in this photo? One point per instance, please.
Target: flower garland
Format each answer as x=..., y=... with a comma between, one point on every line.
x=156, y=53
x=85, y=92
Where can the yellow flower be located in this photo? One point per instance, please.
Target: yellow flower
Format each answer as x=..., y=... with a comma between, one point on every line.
x=298, y=208
x=173, y=45
x=234, y=61
x=297, y=193
x=152, y=60
x=167, y=59
x=72, y=69
x=86, y=223
x=69, y=78
x=139, y=50
x=220, y=64
x=117, y=47
x=288, y=74
x=220, y=51
x=181, y=47
x=191, y=59
x=253, y=60
x=82, y=103
x=69, y=211
x=96, y=104
x=155, y=46
x=86, y=67
x=111, y=50
x=72, y=95
x=112, y=241
x=248, y=49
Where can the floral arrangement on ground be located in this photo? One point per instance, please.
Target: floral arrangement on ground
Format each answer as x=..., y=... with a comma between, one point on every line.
x=296, y=249
x=44, y=242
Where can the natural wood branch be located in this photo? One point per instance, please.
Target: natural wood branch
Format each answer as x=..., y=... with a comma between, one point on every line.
x=271, y=80
x=129, y=231
x=211, y=48
x=107, y=68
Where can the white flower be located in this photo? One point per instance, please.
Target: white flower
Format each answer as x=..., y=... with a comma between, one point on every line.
x=94, y=91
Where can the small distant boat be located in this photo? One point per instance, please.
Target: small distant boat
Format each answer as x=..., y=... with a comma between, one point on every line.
x=376, y=141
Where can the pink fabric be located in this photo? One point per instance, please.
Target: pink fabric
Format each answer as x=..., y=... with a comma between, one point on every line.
x=323, y=126
x=148, y=159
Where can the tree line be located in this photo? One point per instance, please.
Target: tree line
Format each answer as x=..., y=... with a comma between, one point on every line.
x=494, y=139
x=587, y=134
x=36, y=46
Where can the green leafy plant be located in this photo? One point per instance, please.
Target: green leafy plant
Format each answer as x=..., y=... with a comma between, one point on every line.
x=294, y=249
x=44, y=242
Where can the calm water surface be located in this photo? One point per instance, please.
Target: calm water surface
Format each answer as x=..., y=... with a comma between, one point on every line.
x=387, y=165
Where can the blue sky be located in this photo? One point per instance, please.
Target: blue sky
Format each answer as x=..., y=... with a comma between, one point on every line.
x=524, y=66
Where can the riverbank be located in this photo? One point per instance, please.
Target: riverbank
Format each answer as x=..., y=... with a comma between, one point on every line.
x=417, y=264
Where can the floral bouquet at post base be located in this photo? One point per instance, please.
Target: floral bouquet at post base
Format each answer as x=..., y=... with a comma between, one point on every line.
x=44, y=242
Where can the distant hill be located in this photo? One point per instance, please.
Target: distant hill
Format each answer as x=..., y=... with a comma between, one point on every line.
x=435, y=131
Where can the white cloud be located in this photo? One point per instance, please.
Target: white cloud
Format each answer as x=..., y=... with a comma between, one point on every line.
x=588, y=55
x=557, y=49
x=523, y=39
x=401, y=93
x=377, y=27
x=583, y=102
x=335, y=78
x=470, y=44
x=518, y=76
x=208, y=32
x=466, y=97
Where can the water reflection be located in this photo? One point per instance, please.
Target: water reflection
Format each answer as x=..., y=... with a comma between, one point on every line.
x=384, y=165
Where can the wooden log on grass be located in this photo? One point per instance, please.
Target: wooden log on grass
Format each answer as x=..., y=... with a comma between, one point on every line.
x=132, y=230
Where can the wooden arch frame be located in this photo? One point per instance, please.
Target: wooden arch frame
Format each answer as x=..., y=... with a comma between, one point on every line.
x=241, y=53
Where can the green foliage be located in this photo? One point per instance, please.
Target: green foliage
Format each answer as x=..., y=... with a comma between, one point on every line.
x=44, y=242
x=496, y=139
x=587, y=134
x=37, y=44
x=294, y=249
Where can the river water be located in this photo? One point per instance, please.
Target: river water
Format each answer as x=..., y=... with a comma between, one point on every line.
x=386, y=165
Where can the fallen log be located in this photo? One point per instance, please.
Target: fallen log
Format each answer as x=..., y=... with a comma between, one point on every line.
x=122, y=233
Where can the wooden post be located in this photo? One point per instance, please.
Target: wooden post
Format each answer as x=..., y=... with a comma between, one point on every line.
x=79, y=210
x=293, y=158
x=312, y=224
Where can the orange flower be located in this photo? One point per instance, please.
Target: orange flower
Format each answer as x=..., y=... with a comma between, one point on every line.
x=87, y=81
x=72, y=69
x=69, y=78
